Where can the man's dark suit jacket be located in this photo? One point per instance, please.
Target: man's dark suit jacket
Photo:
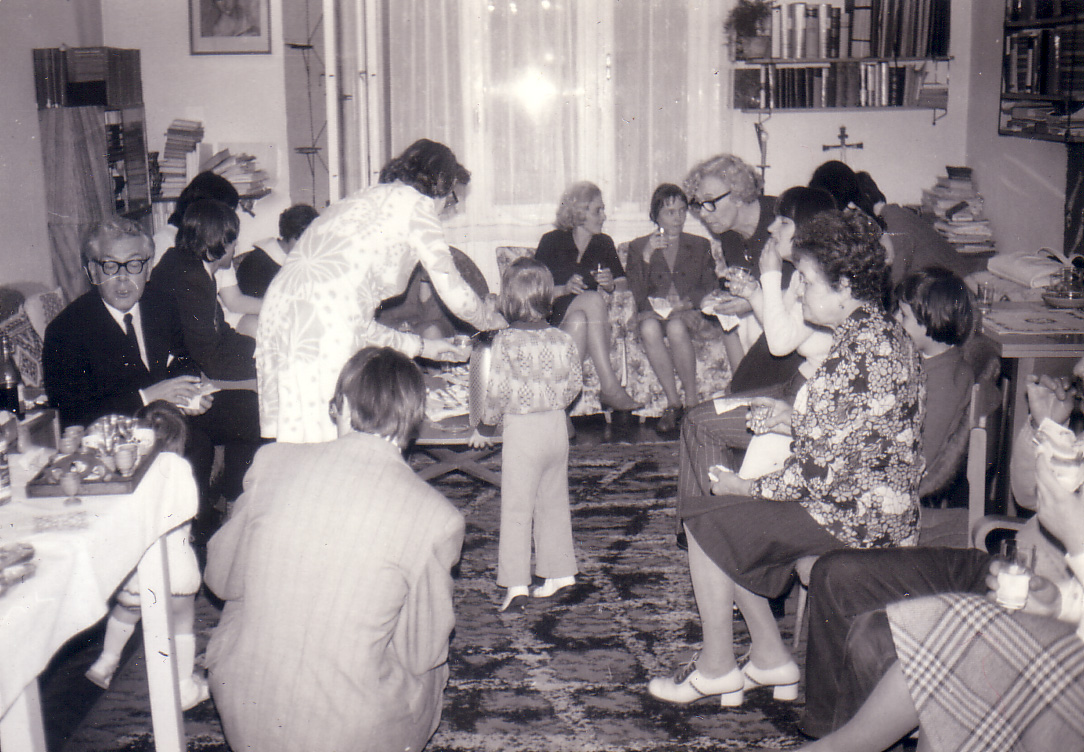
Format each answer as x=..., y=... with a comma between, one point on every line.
x=91, y=368
x=255, y=272
x=220, y=351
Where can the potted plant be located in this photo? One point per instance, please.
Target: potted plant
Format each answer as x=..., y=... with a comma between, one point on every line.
x=746, y=24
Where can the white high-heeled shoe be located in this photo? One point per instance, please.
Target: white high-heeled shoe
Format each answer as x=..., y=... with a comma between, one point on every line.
x=689, y=685
x=782, y=679
x=515, y=599
x=552, y=585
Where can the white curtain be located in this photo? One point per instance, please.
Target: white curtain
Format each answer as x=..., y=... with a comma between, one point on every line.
x=535, y=94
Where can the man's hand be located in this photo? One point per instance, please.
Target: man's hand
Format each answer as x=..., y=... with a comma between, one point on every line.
x=178, y=390
x=731, y=305
x=768, y=414
x=727, y=483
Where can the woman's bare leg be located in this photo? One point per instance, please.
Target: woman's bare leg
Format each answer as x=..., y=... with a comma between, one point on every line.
x=714, y=592
x=768, y=650
x=684, y=358
x=589, y=316
x=734, y=350
x=658, y=356
x=885, y=718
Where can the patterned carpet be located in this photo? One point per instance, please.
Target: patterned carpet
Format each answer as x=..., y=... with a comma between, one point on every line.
x=565, y=675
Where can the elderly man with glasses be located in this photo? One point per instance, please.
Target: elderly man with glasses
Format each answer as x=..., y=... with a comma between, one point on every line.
x=118, y=347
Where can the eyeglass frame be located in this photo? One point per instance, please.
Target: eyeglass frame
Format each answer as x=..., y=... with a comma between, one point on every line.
x=123, y=264
x=696, y=206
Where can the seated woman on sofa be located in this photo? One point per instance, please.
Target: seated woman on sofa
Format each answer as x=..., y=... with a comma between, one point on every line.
x=584, y=263
x=677, y=266
x=852, y=480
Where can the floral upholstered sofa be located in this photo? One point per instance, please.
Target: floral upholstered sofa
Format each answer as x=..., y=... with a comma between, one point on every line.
x=629, y=361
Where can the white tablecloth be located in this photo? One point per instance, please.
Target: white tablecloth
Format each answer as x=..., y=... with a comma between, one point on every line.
x=78, y=568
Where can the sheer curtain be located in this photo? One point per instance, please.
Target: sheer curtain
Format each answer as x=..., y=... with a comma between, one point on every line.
x=535, y=94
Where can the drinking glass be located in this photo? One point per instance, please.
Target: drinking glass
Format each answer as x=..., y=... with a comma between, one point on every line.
x=1014, y=579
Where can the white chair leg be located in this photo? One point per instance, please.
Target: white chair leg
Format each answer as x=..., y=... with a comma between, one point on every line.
x=799, y=616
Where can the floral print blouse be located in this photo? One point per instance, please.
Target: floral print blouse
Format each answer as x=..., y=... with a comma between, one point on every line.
x=857, y=449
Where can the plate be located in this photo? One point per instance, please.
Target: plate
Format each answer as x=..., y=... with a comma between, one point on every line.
x=1061, y=300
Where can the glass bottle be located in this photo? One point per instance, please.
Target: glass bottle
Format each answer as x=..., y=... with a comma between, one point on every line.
x=10, y=380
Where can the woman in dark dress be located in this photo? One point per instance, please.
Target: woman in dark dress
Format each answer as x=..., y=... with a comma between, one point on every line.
x=586, y=269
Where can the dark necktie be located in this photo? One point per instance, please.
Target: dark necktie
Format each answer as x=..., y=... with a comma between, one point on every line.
x=129, y=331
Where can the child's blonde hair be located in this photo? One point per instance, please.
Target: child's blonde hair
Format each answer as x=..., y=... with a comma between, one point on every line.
x=526, y=291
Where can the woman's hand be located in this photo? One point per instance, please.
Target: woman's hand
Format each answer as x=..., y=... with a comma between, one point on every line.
x=656, y=242
x=1044, y=598
x=1050, y=397
x=478, y=441
x=1061, y=511
x=574, y=286
x=727, y=483
x=445, y=350
x=770, y=258
x=604, y=278
x=767, y=414
x=727, y=304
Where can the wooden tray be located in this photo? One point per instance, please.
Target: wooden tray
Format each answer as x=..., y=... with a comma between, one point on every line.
x=110, y=483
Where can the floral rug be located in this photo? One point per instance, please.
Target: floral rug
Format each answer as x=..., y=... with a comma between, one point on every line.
x=567, y=674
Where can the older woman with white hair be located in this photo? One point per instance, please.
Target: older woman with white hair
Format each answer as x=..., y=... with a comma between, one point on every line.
x=584, y=264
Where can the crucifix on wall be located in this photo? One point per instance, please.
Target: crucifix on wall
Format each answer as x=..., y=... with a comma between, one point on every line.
x=843, y=145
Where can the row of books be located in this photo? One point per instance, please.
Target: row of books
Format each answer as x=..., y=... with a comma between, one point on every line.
x=87, y=76
x=1030, y=10
x=843, y=84
x=957, y=207
x=1046, y=61
x=182, y=138
x=860, y=28
x=241, y=170
x=125, y=147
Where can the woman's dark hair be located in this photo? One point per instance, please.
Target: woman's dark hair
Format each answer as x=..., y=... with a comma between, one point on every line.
x=207, y=229
x=428, y=167
x=385, y=391
x=941, y=302
x=800, y=203
x=169, y=424
x=839, y=180
x=868, y=192
x=206, y=185
x=662, y=195
x=846, y=245
x=294, y=221
x=526, y=291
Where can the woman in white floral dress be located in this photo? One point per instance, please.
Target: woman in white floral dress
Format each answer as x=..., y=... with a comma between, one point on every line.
x=320, y=308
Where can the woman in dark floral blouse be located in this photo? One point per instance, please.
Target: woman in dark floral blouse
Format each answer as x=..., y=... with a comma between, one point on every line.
x=851, y=480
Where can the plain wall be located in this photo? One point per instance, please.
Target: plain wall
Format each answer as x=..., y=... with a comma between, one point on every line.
x=25, y=25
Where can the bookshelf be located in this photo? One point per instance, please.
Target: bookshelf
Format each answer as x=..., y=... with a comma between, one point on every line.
x=94, y=146
x=870, y=54
x=1042, y=81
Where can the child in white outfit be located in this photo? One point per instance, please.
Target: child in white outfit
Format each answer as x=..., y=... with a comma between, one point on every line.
x=534, y=375
x=170, y=430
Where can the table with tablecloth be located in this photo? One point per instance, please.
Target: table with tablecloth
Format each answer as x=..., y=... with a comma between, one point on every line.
x=82, y=553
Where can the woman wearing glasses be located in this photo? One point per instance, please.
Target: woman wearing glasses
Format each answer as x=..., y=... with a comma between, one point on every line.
x=321, y=307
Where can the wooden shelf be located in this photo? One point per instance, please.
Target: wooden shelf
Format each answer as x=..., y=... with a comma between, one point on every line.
x=814, y=61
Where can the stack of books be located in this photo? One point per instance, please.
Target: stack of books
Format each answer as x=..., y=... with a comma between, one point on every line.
x=958, y=209
x=241, y=170
x=182, y=138
x=860, y=28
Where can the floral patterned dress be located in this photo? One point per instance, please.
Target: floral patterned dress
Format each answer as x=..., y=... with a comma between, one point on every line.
x=320, y=308
x=857, y=449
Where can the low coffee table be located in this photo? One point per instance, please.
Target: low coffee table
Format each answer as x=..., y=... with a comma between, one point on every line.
x=446, y=442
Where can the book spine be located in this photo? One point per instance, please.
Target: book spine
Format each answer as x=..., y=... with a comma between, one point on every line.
x=812, y=31
x=824, y=22
x=777, y=31
x=798, y=28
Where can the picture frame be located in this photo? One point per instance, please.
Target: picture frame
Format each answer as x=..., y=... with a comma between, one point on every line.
x=229, y=27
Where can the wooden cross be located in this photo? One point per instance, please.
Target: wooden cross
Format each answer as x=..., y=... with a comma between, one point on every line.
x=842, y=145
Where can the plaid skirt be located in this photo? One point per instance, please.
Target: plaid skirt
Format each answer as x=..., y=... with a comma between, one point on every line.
x=984, y=679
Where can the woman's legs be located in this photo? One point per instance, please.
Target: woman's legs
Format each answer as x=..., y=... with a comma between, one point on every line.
x=883, y=719
x=658, y=356
x=588, y=322
x=684, y=358
x=715, y=596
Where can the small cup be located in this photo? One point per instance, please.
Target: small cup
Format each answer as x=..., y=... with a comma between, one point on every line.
x=1014, y=579
x=125, y=457
x=70, y=482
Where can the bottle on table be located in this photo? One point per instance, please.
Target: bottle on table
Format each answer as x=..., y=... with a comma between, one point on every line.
x=11, y=382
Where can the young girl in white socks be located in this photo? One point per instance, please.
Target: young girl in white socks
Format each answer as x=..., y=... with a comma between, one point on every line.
x=534, y=375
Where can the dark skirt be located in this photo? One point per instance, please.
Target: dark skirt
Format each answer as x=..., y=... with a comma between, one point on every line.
x=755, y=541
x=760, y=369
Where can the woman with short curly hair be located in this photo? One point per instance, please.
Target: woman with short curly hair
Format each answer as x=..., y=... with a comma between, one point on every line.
x=851, y=480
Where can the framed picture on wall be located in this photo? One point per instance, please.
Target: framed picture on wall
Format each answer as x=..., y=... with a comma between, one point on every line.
x=229, y=27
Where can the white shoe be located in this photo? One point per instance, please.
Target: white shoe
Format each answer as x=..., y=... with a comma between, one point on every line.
x=689, y=685
x=783, y=679
x=515, y=599
x=194, y=691
x=552, y=585
x=101, y=672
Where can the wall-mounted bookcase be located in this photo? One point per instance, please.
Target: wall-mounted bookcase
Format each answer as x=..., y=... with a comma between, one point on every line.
x=873, y=54
x=1042, y=82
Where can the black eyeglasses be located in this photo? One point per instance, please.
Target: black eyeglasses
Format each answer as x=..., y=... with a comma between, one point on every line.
x=708, y=205
x=112, y=268
x=451, y=201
